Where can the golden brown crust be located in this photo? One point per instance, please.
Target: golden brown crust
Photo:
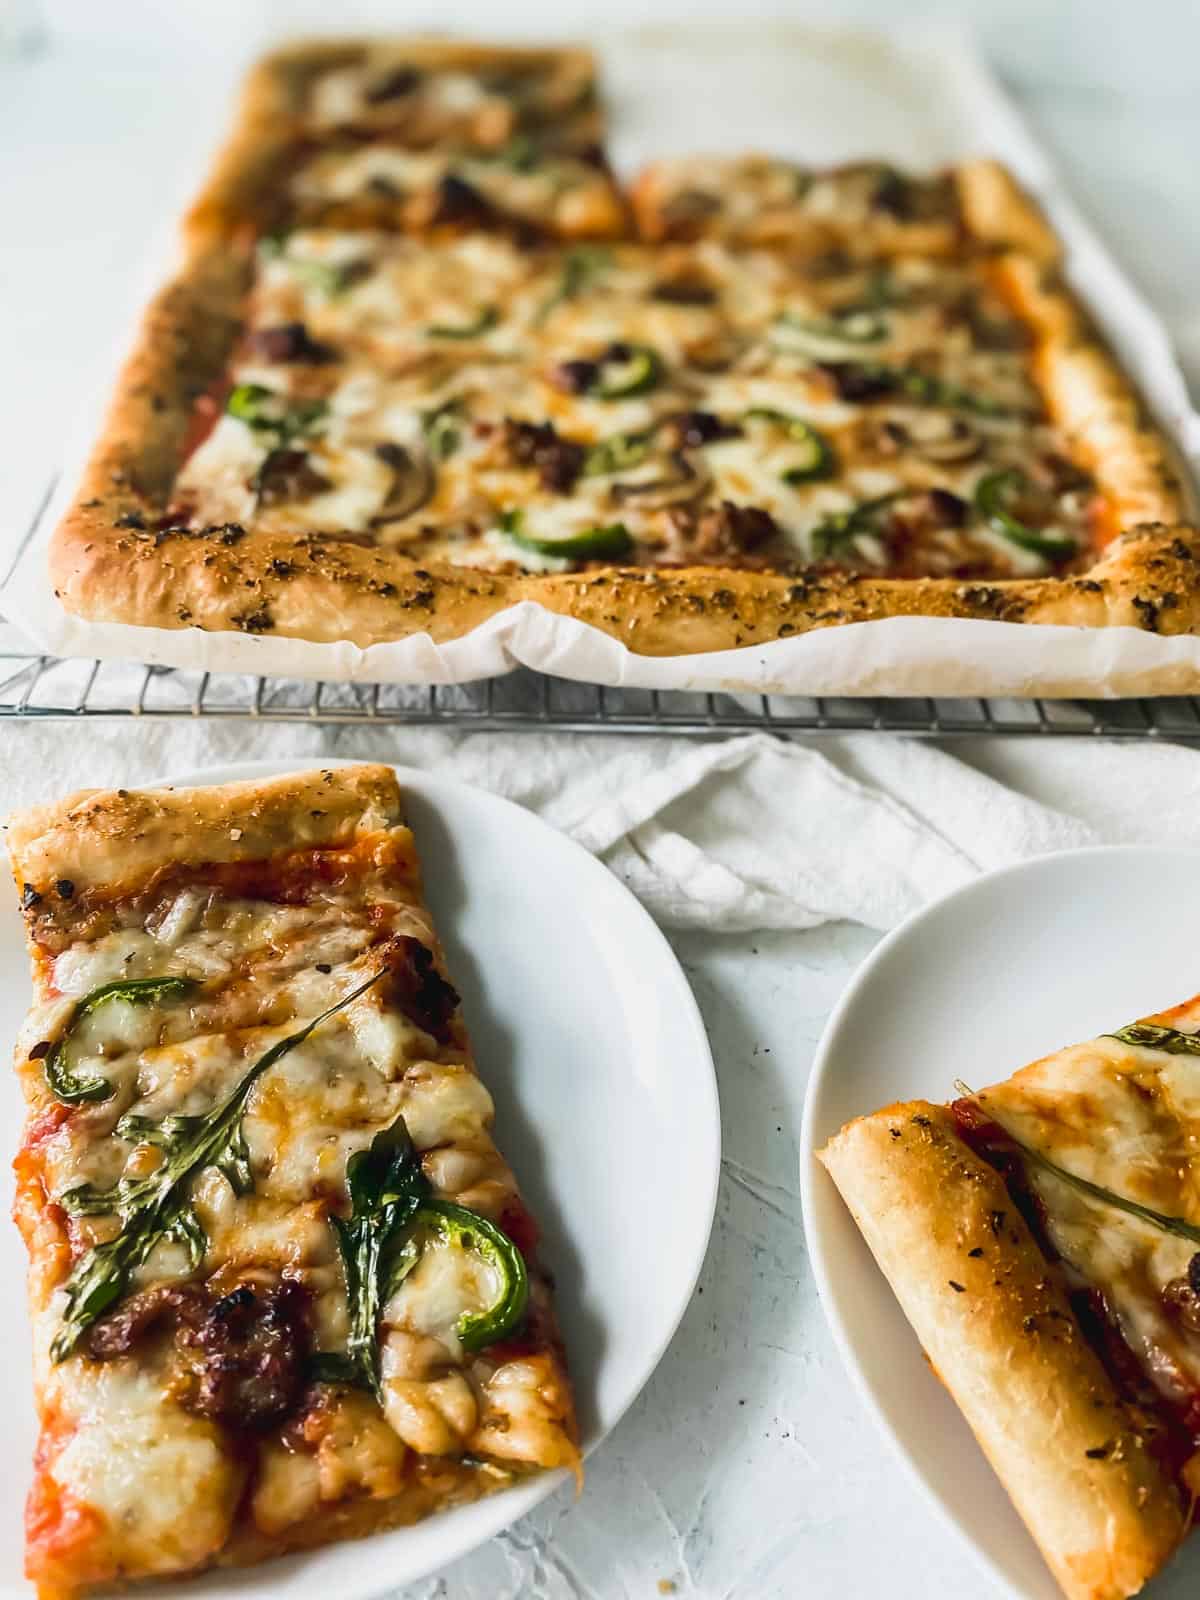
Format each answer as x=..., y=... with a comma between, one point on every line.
x=324, y=591
x=1090, y=398
x=108, y=837
x=997, y=213
x=1000, y=1333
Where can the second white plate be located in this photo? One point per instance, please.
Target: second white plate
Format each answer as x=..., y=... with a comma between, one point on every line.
x=590, y=1041
x=1008, y=968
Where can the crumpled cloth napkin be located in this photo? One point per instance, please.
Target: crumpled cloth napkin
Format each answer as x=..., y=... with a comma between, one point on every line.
x=722, y=834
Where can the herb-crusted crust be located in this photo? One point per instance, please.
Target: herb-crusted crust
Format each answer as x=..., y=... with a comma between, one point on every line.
x=998, y=1328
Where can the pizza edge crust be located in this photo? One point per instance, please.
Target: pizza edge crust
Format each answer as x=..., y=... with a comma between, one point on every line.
x=110, y=837
x=1000, y=1334
x=109, y=562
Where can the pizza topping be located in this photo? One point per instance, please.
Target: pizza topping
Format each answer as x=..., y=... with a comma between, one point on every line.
x=72, y=1087
x=625, y=370
x=418, y=989
x=580, y=267
x=288, y=475
x=996, y=496
x=248, y=1354
x=484, y=320
x=807, y=454
x=1178, y=1226
x=874, y=380
x=684, y=291
x=269, y=413
x=558, y=461
x=158, y=1205
x=607, y=543
x=680, y=479
x=458, y=201
x=830, y=338
x=721, y=534
x=933, y=435
x=394, y=85
x=1152, y=1036
x=392, y=1223
x=412, y=485
x=291, y=342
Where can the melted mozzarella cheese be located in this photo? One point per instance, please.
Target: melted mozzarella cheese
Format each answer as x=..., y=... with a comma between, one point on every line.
x=446, y=1281
x=1124, y=1118
x=161, y=1479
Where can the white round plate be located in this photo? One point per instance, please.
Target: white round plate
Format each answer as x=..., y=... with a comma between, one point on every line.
x=1006, y=969
x=606, y=1105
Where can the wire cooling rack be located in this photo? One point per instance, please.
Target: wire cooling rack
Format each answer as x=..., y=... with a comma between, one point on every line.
x=37, y=687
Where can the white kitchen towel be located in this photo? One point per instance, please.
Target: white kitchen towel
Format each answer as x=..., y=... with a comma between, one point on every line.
x=729, y=835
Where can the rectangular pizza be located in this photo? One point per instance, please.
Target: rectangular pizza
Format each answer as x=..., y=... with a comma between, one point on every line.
x=1043, y=1238
x=412, y=374
x=282, y=1284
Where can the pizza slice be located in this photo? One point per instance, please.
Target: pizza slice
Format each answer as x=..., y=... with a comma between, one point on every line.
x=426, y=92
x=1043, y=1238
x=416, y=136
x=282, y=1285
x=863, y=209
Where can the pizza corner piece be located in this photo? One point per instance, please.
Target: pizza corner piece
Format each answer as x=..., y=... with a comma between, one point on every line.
x=1042, y=1236
x=282, y=1285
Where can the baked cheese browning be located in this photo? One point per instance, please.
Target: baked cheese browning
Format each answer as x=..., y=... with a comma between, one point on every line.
x=379, y=185
x=998, y=1326
x=247, y=982
x=508, y=408
x=866, y=209
x=1104, y=1134
x=422, y=93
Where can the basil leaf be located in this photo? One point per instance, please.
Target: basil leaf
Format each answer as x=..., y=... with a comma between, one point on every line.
x=158, y=1206
x=1177, y=1226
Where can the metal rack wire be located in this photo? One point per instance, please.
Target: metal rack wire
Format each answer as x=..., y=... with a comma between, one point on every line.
x=37, y=687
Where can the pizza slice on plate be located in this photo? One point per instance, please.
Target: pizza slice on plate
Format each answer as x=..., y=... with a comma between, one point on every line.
x=1043, y=1238
x=282, y=1284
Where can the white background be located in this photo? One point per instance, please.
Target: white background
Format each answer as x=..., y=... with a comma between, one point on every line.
x=747, y=1471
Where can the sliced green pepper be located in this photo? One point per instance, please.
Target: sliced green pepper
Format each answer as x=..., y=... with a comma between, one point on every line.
x=843, y=525
x=816, y=458
x=857, y=326
x=379, y=1243
x=625, y=371
x=266, y=411
x=617, y=453
x=456, y=1225
x=330, y=278
x=440, y=427
x=580, y=266
x=926, y=390
x=71, y=1087
x=487, y=318
x=606, y=543
x=992, y=496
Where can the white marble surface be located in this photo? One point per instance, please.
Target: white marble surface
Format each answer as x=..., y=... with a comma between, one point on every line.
x=747, y=1468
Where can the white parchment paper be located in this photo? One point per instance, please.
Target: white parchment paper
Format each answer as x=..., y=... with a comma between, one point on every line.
x=819, y=94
